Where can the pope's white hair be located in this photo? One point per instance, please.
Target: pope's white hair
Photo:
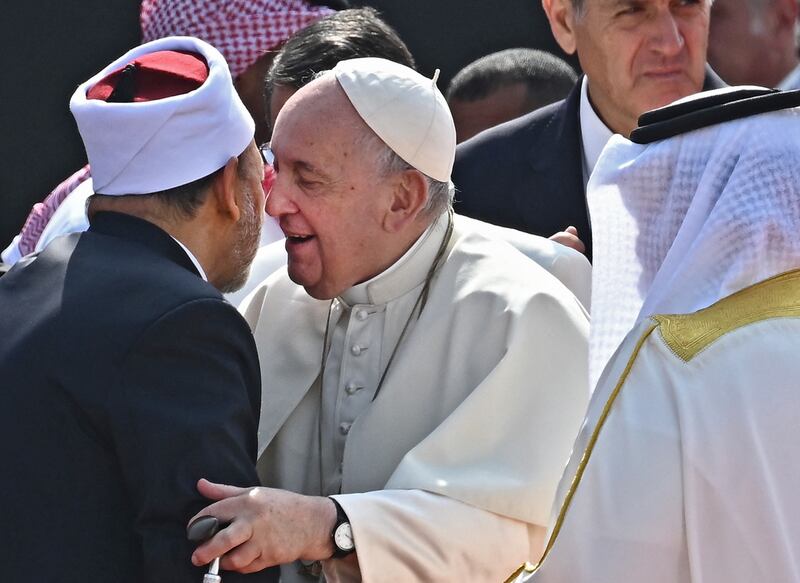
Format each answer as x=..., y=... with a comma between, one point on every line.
x=387, y=162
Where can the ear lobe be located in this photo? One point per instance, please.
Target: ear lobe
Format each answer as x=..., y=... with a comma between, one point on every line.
x=225, y=188
x=409, y=197
x=786, y=14
x=561, y=15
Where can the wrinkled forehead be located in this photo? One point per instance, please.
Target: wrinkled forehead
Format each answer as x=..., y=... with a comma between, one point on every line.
x=321, y=108
x=611, y=5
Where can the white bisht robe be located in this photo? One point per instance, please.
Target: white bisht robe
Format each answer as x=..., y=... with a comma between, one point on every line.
x=450, y=473
x=693, y=474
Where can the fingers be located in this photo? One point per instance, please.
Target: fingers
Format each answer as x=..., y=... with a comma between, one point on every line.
x=224, y=541
x=569, y=238
x=244, y=559
x=577, y=244
x=224, y=510
x=214, y=491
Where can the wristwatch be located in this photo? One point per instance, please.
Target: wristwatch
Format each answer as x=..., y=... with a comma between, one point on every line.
x=342, y=534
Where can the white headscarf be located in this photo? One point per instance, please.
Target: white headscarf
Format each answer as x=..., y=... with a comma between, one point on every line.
x=682, y=223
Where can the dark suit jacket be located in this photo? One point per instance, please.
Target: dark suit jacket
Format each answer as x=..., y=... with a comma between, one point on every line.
x=125, y=378
x=527, y=173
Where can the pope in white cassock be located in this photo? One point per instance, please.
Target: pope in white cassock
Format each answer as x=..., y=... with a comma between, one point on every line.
x=428, y=378
x=686, y=468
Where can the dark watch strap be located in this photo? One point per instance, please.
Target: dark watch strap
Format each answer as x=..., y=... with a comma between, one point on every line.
x=341, y=518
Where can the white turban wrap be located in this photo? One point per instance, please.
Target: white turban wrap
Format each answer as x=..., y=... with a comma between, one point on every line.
x=146, y=147
x=242, y=30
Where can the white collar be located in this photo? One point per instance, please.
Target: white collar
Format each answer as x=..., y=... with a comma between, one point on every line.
x=193, y=258
x=792, y=80
x=404, y=274
x=594, y=133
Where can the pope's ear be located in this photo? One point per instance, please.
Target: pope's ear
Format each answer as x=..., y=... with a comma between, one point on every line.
x=224, y=189
x=409, y=197
x=561, y=14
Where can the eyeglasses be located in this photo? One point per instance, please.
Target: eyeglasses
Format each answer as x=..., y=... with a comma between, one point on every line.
x=266, y=153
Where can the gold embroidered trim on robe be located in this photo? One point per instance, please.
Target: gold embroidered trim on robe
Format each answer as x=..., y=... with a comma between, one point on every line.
x=586, y=455
x=689, y=334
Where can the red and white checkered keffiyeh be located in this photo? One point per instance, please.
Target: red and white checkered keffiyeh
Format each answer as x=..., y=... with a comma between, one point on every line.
x=42, y=211
x=242, y=30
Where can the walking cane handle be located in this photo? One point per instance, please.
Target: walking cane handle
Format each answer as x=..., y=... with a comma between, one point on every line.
x=199, y=531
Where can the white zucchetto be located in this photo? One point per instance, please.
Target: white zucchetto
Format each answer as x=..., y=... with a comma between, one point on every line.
x=405, y=109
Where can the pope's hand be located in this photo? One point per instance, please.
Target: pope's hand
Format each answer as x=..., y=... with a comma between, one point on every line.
x=569, y=238
x=267, y=527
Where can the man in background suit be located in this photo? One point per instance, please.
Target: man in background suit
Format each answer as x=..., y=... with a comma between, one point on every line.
x=126, y=376
x=531, y=173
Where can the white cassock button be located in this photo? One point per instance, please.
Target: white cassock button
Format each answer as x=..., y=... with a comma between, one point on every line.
x=352, y=388
x=344, y=428
x=357, y=349
x=361, y=315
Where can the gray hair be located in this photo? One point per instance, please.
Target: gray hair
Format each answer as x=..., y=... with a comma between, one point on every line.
x=440, y=194
x=579, y=6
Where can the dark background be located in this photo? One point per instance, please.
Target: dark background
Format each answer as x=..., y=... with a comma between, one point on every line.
x=49, y=47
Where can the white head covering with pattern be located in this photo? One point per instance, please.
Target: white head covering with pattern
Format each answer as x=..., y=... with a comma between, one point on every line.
x=682, y=223
x=242, y=30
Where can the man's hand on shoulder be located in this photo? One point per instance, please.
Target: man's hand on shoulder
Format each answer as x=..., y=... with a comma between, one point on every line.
x=267, y=527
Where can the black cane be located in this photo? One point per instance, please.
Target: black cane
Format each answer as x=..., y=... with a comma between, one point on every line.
x=199, y=531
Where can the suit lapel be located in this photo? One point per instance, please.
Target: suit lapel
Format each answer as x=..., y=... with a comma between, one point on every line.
x=556, y=157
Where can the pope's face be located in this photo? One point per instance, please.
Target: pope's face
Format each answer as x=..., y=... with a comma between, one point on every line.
x=328, y=195
x=641, y=54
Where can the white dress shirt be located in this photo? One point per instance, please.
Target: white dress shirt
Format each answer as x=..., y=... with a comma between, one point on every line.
x=193, y=259
x=594, y=133
x=792, y=80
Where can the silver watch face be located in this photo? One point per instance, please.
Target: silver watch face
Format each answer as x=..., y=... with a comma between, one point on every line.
x=343, y=537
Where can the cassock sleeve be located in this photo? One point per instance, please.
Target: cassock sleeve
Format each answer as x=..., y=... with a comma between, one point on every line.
x=185, y=407
x=412, y=535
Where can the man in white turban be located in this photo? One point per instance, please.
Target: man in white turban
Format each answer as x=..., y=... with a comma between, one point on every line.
x=126, y=375
x=422, y=381
x=685, y=469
